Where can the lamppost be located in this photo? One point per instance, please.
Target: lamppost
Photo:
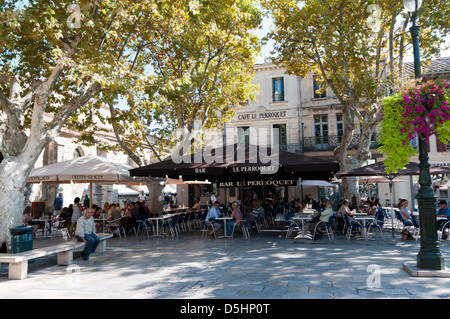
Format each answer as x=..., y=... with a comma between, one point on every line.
x=429, y=256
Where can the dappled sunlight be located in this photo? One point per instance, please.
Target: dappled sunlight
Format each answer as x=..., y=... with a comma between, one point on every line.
x=262, y=267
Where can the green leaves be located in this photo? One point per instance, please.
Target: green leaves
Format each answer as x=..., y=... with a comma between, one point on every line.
x=420, y=109
x=392, y=138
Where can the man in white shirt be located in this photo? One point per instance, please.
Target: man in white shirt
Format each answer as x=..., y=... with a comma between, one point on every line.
x=213, y=198
x=85, y=232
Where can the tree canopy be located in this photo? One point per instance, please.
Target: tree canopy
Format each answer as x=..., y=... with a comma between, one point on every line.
x=357, y=48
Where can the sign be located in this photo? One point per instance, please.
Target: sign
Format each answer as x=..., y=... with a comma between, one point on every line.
x=87, y=177
x=441, y=164
x=260, y=169
x=268, y=182
x=262, y=115
x=38, y=179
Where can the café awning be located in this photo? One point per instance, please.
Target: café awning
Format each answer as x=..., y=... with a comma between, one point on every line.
x=236, y=161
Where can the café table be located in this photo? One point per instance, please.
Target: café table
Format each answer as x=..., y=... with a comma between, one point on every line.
x=224, y=219
x=47, y=225
x=363, y=218
x=103, y=220
x=303, y=218
x=157, y=219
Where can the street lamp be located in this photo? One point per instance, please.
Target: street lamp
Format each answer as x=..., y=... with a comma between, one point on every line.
x=429, y=256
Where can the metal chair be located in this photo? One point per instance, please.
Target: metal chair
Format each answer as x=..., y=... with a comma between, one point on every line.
x=172, y=225
x=291, y=225
x=243, y=225
x=327, y=227
x=377, y=223
x=63, y=227
x=120, y=228
x=443, y=227
x=351, y=225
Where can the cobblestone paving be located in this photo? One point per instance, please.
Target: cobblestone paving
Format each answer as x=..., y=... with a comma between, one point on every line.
x=265, y=267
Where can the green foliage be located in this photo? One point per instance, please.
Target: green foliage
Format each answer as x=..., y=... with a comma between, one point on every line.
x=420, y=109
x=392, y=137
x=199, y=57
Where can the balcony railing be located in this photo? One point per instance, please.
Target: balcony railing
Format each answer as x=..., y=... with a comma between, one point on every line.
x=330, y=142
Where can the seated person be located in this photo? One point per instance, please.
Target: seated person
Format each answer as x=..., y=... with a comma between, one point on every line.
x=324, y=217
x=298, y=205
x=371, y=208
x=237, y=218
x=196, y=205
x=97, y=215
x=443, y=212
x=213, y=213
x=29, y=221
x=344, y=209
x=257, y=210
x=364, y=206
x=404, y=213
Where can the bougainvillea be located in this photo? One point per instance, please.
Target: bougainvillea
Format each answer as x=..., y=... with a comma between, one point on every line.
x=422, y=109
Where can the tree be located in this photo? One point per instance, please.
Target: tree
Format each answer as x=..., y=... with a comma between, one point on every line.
x=201, y=57
x=357, y=52
x=198, y=59
x=54, y=58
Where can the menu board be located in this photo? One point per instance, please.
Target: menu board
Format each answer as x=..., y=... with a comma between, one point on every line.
x=37, y=209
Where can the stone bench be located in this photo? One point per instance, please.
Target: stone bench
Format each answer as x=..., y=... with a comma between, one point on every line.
x=18, y=263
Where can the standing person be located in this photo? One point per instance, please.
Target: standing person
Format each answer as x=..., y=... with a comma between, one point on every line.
x=210, y=219
x=85, y=232
x=76, y=213
x=86, y=201
x=237, y=216
x=141, y=197
x=213, y=198
x=58, y=204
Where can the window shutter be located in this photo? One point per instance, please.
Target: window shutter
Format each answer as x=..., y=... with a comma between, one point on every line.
x=282, y=88
x=441, y=147
x=273, y=90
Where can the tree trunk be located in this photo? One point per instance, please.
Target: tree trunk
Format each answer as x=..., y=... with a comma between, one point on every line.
x=350, y=185
x=348, y=161
x=155, y=195
x=13, y=174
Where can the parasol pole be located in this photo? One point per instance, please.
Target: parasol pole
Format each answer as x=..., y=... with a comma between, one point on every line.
x=90, y=194
x=392, y=203
x=241, y=191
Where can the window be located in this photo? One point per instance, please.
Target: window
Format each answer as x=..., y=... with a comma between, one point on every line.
x=321, y=131
x=277, y=89
x=78, y=152
x=339, y=127
x=279, y=136
x=440, y=147
x=319, y=88
x=244, y=134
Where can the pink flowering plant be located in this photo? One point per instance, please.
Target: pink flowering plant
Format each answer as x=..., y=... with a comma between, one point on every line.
x=422, y=109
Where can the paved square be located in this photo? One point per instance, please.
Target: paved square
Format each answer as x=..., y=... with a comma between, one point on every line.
x=266, y=266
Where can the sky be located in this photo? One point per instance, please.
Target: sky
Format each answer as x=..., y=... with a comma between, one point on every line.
x=266, y=49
